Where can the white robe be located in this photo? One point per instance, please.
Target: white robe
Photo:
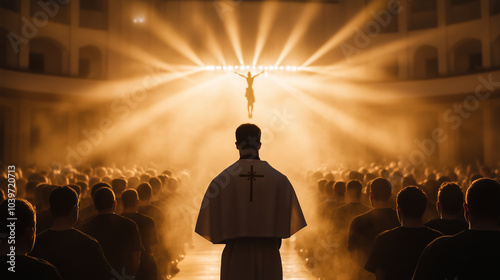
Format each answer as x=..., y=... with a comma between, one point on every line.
x=237, y=214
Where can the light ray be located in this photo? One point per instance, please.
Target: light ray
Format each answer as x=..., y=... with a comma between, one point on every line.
x=266, y=22
x=231, y=25
x=300, y=28
x=338, y=118
x=343, y=34
x=173, y=39
x=140, y=119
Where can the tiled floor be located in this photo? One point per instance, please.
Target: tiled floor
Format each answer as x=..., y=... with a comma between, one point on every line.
x=203, y=262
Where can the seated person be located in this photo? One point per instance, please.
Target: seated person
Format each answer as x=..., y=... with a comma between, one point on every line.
x=365, y=227
x=472, y=253
x=450, y=209
x=118, y=236
x=75, y=254
x=396, y=252
x=147, y=229
x=16, y=264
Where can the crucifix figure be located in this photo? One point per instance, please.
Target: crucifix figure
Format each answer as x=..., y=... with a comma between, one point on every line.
x=252, y=176
x=249, y=93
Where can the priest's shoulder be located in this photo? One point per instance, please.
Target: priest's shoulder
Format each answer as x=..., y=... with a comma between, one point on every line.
x=278, y=173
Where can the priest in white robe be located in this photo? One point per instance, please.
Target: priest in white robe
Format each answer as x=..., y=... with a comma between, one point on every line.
x=250, y=207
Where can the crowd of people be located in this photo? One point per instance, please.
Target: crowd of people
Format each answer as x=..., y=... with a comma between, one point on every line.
x=392, y=222
x=380, y=222
x=95, y=223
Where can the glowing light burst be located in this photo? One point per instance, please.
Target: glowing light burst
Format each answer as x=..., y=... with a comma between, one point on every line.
x=231, y=68
x=314, y=89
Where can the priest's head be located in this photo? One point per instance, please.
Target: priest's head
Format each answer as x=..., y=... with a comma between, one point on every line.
x=248, y=137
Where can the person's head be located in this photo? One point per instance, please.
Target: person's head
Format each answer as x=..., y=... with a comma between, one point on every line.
x=411, y=203
x=30, y=188
x=94, y=181
x=339, y=190
x=248, y=137
x=249, y=74
x=64, y=203
x=155, y=184
x=321, y=186
x=380, y=190
x=104, y=200
x=98, y=186
x=145, y=192
x=474, y=177
x=450, y=199
x=130, y=200
x=133, y=182
x=329, y=189
x=353, y=190
x=408, y=180
x=118, y=186
x=77, y=189
x=443, y=179
x=483, y=201
x=485, y=172
x=84, y=187
x=355, y=175
x=47, y=190
x=25, y=225
x=36, y=177
x=173, y=184
x=145, y=177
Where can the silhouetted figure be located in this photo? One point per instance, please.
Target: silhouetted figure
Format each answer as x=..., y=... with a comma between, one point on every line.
x=396, y=252
x=334, y=193
x=431, y=188
x=450, y=209
x=24, y=266
x=147, y=229
x=365, y=227
x=249, y=93
x=164, y=257
x=473, y=253
x=75, y=254
x=118, y=236
x=344, y=214
x=44, y=218
x=251, y=212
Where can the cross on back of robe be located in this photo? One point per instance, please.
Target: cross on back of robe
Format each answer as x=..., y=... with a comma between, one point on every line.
x=252, y=176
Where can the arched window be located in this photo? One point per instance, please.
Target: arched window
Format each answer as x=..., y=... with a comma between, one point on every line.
x=425, y=62
x=46, y=56
x=90, y=62
x=466, y=57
